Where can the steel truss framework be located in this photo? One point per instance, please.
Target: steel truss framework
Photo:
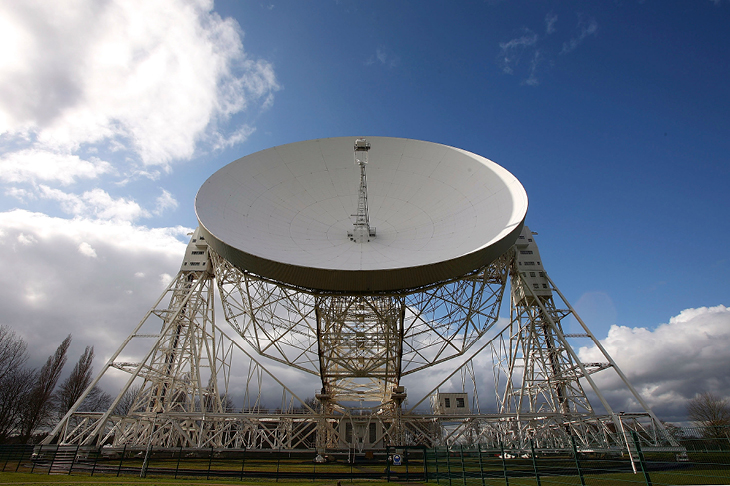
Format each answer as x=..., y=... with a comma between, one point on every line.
x=360, y=347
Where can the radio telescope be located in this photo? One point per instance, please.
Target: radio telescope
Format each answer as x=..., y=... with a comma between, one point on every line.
x=362, y=272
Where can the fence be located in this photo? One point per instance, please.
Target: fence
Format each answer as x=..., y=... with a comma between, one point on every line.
x=706, y=461
x=183, y=462
x=697, y=461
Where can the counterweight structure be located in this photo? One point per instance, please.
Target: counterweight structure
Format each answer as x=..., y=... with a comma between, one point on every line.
x=198, y=383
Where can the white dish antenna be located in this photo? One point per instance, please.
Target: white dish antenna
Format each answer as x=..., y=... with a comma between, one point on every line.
x=285, y=213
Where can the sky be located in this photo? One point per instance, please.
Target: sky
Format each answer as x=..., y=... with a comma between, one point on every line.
x=612, y=114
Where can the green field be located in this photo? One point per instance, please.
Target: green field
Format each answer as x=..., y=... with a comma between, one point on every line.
x=39, y=479
x=697, y=476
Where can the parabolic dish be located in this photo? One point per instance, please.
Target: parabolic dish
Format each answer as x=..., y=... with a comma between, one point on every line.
x=284, y=214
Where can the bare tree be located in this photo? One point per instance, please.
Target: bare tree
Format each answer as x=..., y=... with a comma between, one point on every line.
x=310, y=402
x=711, y=412
x=74, y=386
x=228, y=405
x=124, y=407
x=674, y=430
x=38, y=408
x=211, y=395
x=15, y=388
x=313, y=403
x=13, y=351
x=15, y=380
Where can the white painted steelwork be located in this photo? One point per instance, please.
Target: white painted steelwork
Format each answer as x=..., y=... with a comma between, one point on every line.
x=362, y=232
x=284, y=213
x=362, y=344
x=185, y=375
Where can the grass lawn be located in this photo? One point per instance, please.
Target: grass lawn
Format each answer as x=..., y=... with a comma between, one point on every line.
x=39, y=479
x=695, y=476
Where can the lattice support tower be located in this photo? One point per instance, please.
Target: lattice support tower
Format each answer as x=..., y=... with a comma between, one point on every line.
x=360, y=347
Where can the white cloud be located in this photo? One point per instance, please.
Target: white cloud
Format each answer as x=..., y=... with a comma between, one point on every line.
x=55, y=286
x=152, y=79
x=539, y=51
x=239, y=136
x=584, y=30
x=534, y=63
x=513, y=50
x=165, y=279
x=87, y=249
x=550, y=20
x=384, y=56
x=37, y=164
x=670, y=364
x=103, y=206
x=97, y=203
x=24, y=239
x=20, y=194
x=164, y=202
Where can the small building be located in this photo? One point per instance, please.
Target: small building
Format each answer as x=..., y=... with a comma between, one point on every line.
x=450, y=403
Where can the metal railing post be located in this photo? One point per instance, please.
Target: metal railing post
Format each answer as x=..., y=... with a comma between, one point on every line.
x=405, y=459
x=504, y=464
x=121, y=459
x=425, y=465
x=481, y=464
x=577, y=461
x=463, y=467
x=96, y=460
x=534, y=462
x=389, y=461
x=436, y=462
x=448, y=463
x=73, y=460
x=639, y=453
x=50, y=466
x=34, y=462
x=179, y=456
x=278, y=462
x=210, y=461
x=243, y=463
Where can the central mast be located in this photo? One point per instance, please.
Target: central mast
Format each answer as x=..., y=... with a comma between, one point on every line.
x=362, y=232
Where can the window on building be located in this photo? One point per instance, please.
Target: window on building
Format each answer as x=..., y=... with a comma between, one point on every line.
x=542, y=274
x=544, y=286
x=525, y=252
x=460, y=402
x=373, y=433
x=535, y=286
x=530, y=263
x=447, y=403
x=532, y=274
x=348, y=432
